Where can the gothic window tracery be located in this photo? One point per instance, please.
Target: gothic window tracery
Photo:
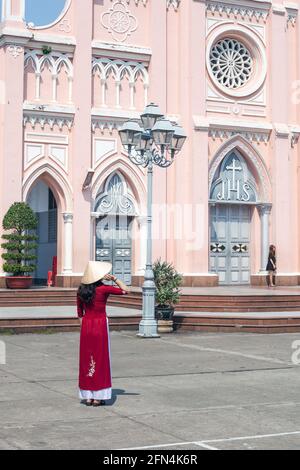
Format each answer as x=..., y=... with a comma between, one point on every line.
x=119, y=72
x=234, y=182
x=56, y=63
x=231, y=63
x=116, y=198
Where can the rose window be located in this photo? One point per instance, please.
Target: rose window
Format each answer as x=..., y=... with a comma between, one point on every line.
x=231, y=63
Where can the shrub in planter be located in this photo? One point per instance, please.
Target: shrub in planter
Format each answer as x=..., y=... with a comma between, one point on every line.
x=20, y=243
x=168, y=282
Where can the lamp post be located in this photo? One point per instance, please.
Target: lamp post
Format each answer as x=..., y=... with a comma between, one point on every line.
x=156, y=143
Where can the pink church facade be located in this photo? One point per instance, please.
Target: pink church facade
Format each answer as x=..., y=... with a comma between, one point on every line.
x=227, y=71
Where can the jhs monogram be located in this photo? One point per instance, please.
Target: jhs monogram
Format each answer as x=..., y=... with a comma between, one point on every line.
x=233, y=185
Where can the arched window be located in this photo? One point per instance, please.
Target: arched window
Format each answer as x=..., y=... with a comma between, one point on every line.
x=234, y=181
x=116, y=198
x=231, y=63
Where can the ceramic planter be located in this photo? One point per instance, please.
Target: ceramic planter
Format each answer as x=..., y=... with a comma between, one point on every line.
x=164, y=316
x=18, y=282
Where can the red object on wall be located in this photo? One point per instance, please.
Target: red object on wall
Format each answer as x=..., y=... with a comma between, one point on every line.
x=54, y=271
x=49, y=281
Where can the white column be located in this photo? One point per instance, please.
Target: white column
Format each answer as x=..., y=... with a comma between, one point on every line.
x=54, y=87
x=6, y=7
x=118, y=91
x=38, y=85
x=103, y=89
x=93, y=236
x=70, y=83
x=146, y=88
x=264, y=212
x=68, y=243
x=7, y=11
x=132, y=95
x=22, y=7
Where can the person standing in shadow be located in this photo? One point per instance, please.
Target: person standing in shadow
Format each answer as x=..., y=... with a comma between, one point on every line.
x=271, y=267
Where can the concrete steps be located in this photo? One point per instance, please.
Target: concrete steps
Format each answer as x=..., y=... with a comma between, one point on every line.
x=205, y=303
x=36, y=325
x=265, y=312
x=188, y=303
x=253, y=322
x=183, y=322
x=37, y=297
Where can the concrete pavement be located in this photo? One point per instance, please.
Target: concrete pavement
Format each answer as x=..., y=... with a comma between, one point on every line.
x=187, y=391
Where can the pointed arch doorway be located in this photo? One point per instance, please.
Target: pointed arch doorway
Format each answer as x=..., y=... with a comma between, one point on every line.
x=233, y=198
x=42, y=201
x=116, y=211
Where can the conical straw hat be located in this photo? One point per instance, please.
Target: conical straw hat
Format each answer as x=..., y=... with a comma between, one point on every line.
x=95, y=271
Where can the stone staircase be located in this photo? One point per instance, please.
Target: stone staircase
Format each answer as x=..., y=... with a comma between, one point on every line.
x=266, y=312
x=37, y=297
x=221, y=303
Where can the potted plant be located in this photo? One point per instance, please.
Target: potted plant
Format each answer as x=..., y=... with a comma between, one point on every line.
x=19, y=259
x=168, y=282
x=46, y=50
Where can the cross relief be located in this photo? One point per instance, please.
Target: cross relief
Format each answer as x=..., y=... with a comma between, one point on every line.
x=233, y=187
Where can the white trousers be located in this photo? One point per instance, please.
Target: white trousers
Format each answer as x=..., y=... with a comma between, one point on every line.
x=99, y=395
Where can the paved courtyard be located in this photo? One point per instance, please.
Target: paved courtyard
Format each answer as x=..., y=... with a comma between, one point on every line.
x=191, y=391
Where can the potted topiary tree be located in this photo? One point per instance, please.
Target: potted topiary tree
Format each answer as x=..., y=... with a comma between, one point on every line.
x=19, y=244
x=168, y=282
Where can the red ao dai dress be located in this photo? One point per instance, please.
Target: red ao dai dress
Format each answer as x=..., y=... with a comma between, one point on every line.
x=94, y=366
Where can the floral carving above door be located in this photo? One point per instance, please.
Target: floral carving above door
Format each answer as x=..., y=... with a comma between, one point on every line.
x=119, y=21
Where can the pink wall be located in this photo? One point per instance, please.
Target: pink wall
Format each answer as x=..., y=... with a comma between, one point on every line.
x=169, y=46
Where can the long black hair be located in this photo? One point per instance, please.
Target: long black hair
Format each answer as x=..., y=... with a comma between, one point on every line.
x=86, y=292
x=272, y=251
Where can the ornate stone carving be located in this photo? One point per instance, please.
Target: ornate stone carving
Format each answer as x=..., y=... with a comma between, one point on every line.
x=123, y=253
x=102, y=124
x=65, y=26
x=252, y=136
x=265, y=187
x=291, y=16
x=15, y=50
x=144, y=2
x=170, y=3
x=264, y=209
x=217, y=247
x=55, y=60
x=103, y=253
x=295, y=135
x=231, y=62
x=121, y=70
x=50, y=120
x=246, y=12
x=116, y=199
x=119, y=21
x=234, y=180
x=173, y=3
x=68, y=217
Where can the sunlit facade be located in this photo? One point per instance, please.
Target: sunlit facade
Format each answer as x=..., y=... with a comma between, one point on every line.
x=227, y=71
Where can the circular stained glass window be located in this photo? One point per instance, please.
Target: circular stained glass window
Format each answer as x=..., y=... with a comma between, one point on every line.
x=231, y=63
